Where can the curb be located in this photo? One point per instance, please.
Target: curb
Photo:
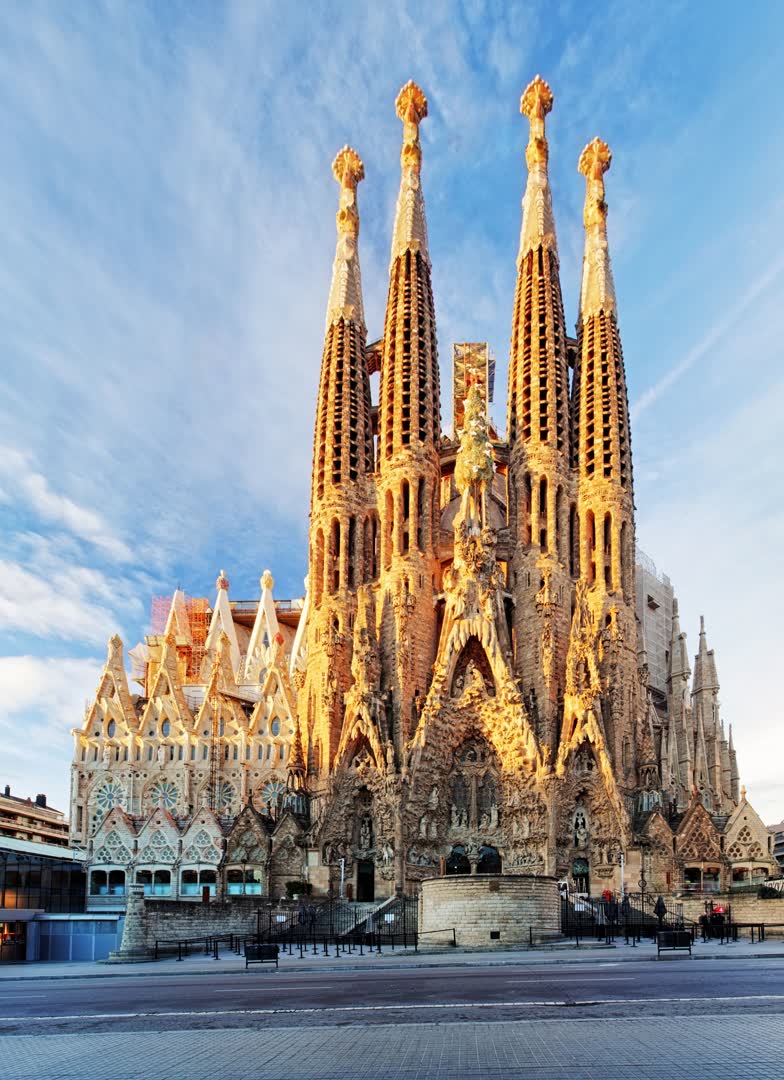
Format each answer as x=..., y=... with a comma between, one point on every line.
x=530, y=961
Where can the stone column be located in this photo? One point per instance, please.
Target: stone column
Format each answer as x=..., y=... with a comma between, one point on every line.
x=133, y=947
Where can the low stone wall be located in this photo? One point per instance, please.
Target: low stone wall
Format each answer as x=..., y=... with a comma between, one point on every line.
x=746, y=907
x=489, y=909
x=181, y=919
x=149, y=920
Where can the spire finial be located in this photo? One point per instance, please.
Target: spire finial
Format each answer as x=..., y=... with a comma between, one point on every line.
x=538, y=226
x=223, y=581
x=702, y=626
x=345, y=293
x=410, y=232
x=597, y=292
x=267, y=581
x=348, y=170
x=411, y=107
x=536, y=103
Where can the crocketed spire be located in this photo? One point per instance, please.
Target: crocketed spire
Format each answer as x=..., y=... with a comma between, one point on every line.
x=410, y=408
x=601, y=445
x=343, y=442
x=538, y=402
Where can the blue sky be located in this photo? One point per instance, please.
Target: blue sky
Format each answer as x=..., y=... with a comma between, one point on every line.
x=167, y=232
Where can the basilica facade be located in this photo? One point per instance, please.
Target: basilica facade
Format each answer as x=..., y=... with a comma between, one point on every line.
x=464, y=687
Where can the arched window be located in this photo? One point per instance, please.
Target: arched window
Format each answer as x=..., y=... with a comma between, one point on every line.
x=165, y=729
x=318, y=567
x=543, y=513
x=420, y=539
x=458, y=863
x=405, y=523
x=98, y=883
x=389, y=528
x=334, y=557
x=608, y=576
x=590, y=546
x=111, y=727
x=489, y=860
x=353, y=560
x=116, y=883
x=574, y=541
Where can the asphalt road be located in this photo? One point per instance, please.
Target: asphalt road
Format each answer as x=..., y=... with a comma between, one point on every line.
x=605, y=989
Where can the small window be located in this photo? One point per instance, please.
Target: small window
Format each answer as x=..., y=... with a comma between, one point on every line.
x=111, y=727
x=165, y=729
x=275, y=729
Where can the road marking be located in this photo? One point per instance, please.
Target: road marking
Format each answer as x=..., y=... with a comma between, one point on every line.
x=276, y=986
x=392, y=1007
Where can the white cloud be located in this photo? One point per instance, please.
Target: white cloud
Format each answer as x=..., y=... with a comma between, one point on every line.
x=739, y=312
x=57, y=509
x=41, y=700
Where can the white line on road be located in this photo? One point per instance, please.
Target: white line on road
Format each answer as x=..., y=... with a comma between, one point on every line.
x=392, y=1007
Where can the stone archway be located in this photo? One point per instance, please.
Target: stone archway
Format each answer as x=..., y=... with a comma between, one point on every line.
x=457, y=861
x=489, y=860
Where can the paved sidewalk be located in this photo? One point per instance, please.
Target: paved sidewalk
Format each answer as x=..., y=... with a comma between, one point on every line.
x=399, y=959
x=711, y=1047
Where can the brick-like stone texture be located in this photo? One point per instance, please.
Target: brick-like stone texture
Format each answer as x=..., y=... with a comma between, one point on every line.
x=478, y=906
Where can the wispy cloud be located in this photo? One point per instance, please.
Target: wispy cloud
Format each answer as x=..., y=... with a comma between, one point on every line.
x=743, y=309
x=42, y=700
x=53, y=508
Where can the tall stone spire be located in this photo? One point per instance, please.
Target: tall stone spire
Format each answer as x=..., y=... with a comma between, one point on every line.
x=599, y=404
x=541, y=485
x=410, y=409
x=538, y=401
x=705, y=707
x=409, y=438
x=601, y=447
x=343, y=441
x=343, y=525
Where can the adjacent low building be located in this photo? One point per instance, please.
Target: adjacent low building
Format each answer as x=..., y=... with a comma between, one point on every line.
x=33, y=820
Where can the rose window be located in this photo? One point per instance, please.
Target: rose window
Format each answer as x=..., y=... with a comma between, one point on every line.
x=272, y=792
x=110, y=795
x=164, y=794
x=225, y=795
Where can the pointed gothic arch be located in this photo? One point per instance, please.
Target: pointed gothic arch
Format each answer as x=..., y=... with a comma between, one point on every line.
x=472, y=663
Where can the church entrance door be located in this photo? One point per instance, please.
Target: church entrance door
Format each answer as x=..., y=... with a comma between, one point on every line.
x=366, y=883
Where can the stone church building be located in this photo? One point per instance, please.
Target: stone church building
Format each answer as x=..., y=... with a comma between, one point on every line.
x=465, y=686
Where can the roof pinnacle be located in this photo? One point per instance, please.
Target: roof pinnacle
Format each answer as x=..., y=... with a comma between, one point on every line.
x=598, y=291
x=411, y=107
x=535, y=103
x=345, y=294
x=348, y=170
x=538, y=227
x=410, y=232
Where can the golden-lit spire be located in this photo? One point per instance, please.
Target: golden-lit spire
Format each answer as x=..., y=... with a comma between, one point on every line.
x=410, y=232
x=345, y=294
x=538, y=395
x=600, y=418
x=598, y=291
x=538, y=223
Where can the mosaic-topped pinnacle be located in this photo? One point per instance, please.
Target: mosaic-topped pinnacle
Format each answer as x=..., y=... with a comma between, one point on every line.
x=536, y=103
x=537, y=100
x=223, y=581
x=347, y=168
x=411, y=104
x=595, y=159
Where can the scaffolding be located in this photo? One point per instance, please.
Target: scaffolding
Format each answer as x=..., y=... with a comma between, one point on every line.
x=472, y=362
x=197, y=612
